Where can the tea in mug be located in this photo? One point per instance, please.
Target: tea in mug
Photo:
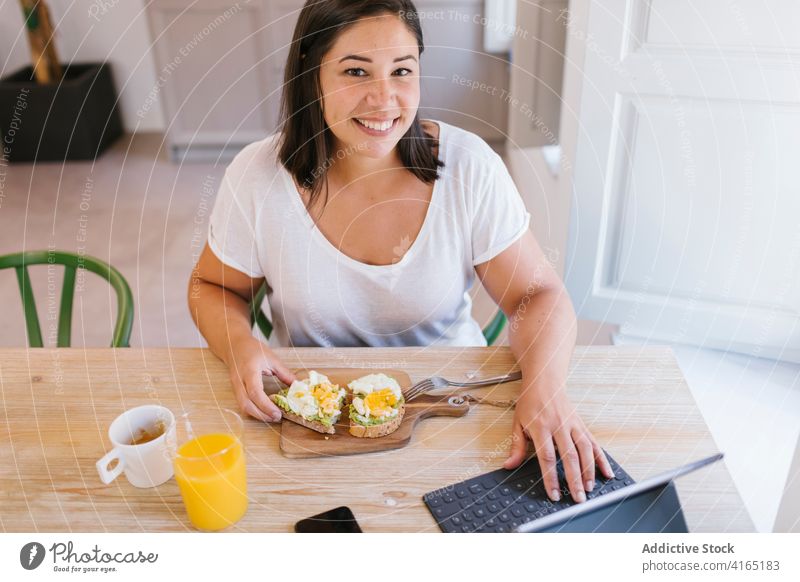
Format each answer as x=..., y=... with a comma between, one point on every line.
x=145, y=435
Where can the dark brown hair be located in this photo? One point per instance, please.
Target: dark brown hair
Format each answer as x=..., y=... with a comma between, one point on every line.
x=306, y=142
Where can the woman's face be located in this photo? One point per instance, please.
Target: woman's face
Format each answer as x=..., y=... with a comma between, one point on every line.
x=370, y=85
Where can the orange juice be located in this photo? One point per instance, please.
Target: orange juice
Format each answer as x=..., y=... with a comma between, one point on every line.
x=210, y=472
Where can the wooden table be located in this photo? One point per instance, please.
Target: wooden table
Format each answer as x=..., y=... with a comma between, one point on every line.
x=58, y=403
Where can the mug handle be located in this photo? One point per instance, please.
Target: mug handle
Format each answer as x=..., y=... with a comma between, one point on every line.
x=102, y=466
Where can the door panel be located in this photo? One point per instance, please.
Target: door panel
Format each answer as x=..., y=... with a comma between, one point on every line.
x=684, y=225
x=715, y=24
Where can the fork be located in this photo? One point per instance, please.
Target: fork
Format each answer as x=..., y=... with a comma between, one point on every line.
x=435, y=382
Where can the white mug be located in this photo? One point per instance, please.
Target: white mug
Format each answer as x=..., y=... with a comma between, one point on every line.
x=147, y=464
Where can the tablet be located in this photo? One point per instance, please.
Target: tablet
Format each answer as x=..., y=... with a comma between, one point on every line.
x=648, y=506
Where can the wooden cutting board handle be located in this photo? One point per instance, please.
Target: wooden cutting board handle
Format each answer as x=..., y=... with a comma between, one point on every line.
x=427, y=406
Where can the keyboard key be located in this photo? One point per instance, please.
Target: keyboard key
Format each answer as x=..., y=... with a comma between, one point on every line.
x=517, y=511
x=536, y=493
x=434, y=502
x=456, y=520
x=447, y=498
x=501, y=529
x=466, y=516
x=479, y=512
x=464, y=503
x=493, y=508
x=505, y=516
x=493, y=496
x=487, y=481
x=506, y=502
x=475, y=488
x=531, y=507
x=467, y=528
x=462, y=492
x=494, y=478
x=505, y=490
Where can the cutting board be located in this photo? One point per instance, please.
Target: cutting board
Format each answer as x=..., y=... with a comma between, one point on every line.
x=298, y=442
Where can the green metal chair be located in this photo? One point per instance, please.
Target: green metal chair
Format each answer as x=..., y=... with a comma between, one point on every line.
x=257, y=317
x=71, y=263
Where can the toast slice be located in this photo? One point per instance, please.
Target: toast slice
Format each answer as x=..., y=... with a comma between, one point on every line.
x=314, y=403
x=377, y=406
x=312, y=424
x=377, y=430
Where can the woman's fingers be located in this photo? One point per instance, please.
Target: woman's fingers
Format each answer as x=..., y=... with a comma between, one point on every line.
x=586, y=455
x=255, y=392
x=546, y=453
x=253, y=359
x=246, y=406
x=281, y=372
x=572, y=465
x=602, y=461
x=251, y=409
x=519, y=447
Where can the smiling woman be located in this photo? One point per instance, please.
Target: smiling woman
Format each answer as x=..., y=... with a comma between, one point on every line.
x=367, y=82
x=369, y=227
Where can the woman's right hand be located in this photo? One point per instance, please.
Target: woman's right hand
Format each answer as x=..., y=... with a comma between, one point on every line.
x=250, y=360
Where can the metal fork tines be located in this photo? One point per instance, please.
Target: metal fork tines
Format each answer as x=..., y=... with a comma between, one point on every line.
x=435, y=382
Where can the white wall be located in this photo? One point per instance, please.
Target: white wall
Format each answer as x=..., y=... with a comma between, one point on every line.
x=546, y=184
x=94, y=30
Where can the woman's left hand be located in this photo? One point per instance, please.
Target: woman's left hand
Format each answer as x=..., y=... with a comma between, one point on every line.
x=551, y=422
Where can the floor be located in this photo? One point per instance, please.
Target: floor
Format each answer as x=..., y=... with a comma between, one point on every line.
x=147, y=216
x=752, y=409
x=143, y=214
x=131, y=208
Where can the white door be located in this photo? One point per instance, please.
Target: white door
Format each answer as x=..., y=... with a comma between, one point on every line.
x=685, y=218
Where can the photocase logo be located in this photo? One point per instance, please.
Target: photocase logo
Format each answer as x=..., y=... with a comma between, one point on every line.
x=31, y=555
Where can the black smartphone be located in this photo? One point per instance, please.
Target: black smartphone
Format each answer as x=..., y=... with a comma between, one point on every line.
x=339, y=520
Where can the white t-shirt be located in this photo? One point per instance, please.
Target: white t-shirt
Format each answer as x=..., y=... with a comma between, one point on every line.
x=318, y=296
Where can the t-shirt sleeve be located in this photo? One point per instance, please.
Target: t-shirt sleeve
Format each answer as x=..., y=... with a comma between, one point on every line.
x=499, y=216
x=231, y=235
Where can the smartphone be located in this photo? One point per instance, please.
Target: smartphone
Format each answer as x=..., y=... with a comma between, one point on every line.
x=339, y=520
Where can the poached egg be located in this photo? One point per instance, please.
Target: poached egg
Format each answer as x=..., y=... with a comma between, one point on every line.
x=315, y=396
x=376, y=395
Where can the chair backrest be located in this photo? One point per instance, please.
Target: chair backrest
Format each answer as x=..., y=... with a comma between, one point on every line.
x=491, y=332
x=71, y=263
x=257, y=316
